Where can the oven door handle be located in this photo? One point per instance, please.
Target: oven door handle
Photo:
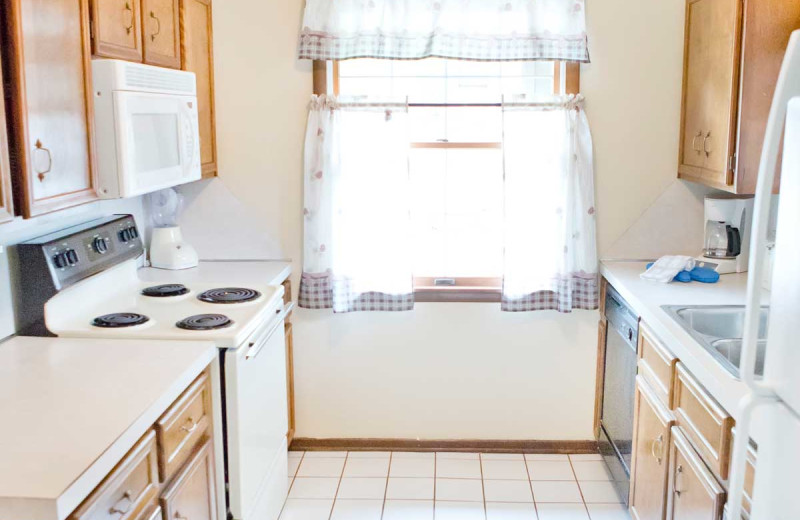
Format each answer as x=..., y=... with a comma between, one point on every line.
x=254, y=347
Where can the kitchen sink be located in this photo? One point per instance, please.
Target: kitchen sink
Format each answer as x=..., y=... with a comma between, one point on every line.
x=719, y=330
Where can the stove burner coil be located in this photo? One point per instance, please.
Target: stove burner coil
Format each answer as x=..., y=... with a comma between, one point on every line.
x=229, y=295
x=162, y=291
x=120, y=319
x=204, y=322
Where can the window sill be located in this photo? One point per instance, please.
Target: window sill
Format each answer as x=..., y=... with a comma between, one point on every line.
x=461, y=294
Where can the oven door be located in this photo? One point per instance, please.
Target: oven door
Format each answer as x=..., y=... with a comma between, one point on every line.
x=256, y=422
x=158, y=141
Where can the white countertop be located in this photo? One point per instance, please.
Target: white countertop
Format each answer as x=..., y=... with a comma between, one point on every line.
x=271, y=272
x=647, y=298
x=72, y=408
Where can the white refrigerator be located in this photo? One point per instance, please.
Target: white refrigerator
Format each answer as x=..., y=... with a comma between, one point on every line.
x=771, y=411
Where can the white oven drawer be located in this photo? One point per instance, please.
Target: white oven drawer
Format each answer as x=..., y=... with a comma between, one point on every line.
x=256, y=413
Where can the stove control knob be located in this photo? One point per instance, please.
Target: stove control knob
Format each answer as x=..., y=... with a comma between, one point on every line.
x=133, y=232
x=125, y=235
x=72, y=256
x=99, y=245
x=60, y=260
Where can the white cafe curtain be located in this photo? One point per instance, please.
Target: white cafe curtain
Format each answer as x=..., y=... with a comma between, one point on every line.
x=486, y=30
x=550, y=245
x=356, y=210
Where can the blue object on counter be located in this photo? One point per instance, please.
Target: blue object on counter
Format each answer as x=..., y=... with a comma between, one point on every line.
x=698, y=274
x=704, y=275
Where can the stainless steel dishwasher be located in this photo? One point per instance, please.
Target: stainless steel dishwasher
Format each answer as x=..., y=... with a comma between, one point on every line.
x=619, y=387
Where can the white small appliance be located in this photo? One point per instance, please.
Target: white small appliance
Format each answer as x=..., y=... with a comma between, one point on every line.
x=727, y=233
x=168, y=250
x=770, y=411
x=147, y=131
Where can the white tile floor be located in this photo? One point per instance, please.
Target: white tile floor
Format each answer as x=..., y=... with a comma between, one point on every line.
x=445, y=486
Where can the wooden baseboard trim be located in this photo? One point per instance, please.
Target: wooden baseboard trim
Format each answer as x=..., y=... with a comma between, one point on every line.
x=484, y=446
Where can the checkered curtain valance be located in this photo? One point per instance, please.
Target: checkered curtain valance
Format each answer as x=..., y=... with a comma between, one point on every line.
x=484, y=30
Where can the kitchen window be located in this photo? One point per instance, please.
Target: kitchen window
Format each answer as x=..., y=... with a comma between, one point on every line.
x=456, y=157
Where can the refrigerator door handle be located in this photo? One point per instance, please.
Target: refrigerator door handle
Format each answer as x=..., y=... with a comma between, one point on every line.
x=741, y=442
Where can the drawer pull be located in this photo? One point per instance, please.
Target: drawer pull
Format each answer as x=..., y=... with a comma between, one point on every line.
x=189, y=429
x=678, y=472
x=117, y=509
x=158, y=26
x=127, y=10
x=658, y=453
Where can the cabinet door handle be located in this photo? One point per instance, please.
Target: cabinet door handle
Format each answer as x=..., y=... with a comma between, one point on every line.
x=706, y=140
x=179, y=517
x=42, y=173
x=191, y=428
x=658, y=454
x=117, y=509
x=695, y=146
x=158, y=26
x=129, y=10
x=676, y=487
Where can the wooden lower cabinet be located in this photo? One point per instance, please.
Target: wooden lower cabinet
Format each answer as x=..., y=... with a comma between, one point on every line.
x=191, y=495
x=129, y=490
x=651, y=441
x=694, y=493
x=187, y=488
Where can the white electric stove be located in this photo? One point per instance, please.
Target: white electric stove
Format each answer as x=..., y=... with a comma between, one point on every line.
x=84, y=282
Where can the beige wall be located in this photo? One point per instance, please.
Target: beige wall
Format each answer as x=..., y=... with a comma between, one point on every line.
x=457, y=370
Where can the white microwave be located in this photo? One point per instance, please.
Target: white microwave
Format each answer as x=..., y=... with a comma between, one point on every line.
x=146, y=128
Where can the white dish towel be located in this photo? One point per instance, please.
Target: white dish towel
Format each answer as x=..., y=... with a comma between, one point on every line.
x=665, y=268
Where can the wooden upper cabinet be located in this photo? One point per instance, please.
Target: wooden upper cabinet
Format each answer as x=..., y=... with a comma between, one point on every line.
x=117, y=29
x=710, y=91
x=732, y=56
x=197, y=56
x=48, y=103
x=694, y=494
x=6, y=202
x=192, y=494
x=652, y=423
x=161, y=33
x=768, y=25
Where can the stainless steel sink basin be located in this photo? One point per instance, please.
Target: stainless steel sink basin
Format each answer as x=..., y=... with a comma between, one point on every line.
x=719, y=329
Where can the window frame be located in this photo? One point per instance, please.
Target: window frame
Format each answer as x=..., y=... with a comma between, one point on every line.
x=566, y=76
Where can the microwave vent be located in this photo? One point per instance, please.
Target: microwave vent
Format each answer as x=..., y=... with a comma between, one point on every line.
x=158, y=79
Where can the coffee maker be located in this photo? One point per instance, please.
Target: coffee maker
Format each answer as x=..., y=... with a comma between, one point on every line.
x=726, y=247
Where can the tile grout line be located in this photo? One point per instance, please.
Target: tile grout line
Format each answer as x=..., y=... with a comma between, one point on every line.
x=338, y=484
x=435, y=477
x=530, y=485
x=483, y=487
x=285, y=500
x=580, y=490
x=386, y=487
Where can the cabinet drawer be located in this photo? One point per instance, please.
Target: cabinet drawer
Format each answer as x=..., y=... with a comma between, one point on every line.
x=183, y=426
x=694, y=493
x=128, y=490
x=706, y=424
x=657, y=366
x=191, y=495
